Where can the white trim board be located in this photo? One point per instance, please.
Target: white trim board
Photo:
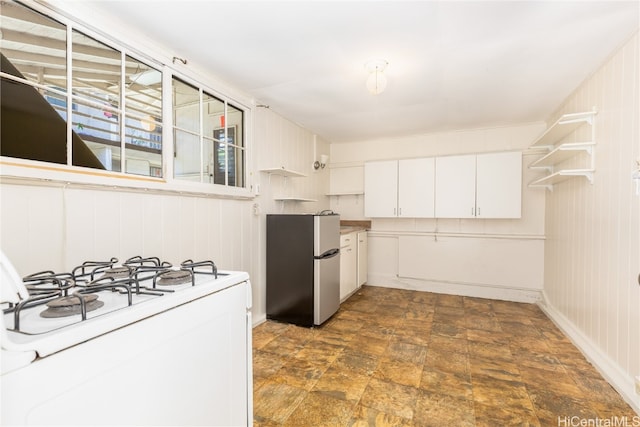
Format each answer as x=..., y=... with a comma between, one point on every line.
x=620, y=380
x=475, y=290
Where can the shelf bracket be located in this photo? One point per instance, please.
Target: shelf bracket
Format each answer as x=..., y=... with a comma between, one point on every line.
x=589, y=176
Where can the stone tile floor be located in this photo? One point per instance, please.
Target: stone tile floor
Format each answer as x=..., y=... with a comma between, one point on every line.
x=393, y=357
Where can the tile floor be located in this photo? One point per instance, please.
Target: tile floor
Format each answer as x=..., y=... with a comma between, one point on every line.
x=393, y=357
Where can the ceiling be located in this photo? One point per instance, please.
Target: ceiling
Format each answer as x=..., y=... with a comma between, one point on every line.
x=452, y=64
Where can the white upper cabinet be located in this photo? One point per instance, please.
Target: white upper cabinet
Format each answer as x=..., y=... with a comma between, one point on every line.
x=479, y=186
x=399, y=188
x=467, y=186
x=416, y=188
x=456, y=187
x=499, y=185
x=381, y=189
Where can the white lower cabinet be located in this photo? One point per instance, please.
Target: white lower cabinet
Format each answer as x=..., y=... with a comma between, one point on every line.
x=363, y=253
x=348, y=265
x=353, y=262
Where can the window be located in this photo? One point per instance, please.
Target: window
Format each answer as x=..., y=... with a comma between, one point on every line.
x=208, y=137
x=71, y=98
x=115, y=112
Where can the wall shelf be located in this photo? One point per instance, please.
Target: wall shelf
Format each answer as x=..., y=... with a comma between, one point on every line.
x=347, y=193
x=557, y=151
x=561, y=153
x=283, y=172
x=293, y=199
x=563, y=127
x=286, y=173
x=562, y=175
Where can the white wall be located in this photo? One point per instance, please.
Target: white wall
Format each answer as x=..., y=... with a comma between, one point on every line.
x=513, y=248
x=279, y=143
x=592, y=251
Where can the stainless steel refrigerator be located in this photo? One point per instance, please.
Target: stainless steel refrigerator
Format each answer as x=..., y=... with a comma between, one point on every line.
x=303, y=267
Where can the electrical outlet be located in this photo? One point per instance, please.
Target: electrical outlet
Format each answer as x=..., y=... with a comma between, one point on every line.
x=638, y=384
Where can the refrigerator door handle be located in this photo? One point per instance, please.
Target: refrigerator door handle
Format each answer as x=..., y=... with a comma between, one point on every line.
x=328, y=254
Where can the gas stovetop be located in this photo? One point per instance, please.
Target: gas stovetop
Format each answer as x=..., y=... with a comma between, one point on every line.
x=95, y=297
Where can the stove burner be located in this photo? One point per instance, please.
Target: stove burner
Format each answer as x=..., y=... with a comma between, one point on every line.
x=117, y=272
x=70, y=306
x=174, y=277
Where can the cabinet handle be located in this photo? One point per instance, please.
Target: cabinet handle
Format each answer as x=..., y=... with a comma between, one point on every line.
x=399, y=211
x=394, y=211
x=472, y=212
x=478, y=214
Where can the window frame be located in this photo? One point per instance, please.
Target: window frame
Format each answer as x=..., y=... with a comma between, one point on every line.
x=12, y=168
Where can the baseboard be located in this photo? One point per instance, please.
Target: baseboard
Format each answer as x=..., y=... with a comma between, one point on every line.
x=257, y=320
x=609, y=369
x=475, y=290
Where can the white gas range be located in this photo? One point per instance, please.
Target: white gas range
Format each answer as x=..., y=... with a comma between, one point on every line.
x=136, y=343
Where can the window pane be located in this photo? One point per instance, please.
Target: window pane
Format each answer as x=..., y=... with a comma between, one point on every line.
x=35, y=44
x=143, y=126
x=186, y=156
x=186, y=106
x=96, y=88
x=214, y=120
x=213, y=113
x=236, y=166
x=33, y=48
x=186, y=122
x=235, y=119
x=235, y=150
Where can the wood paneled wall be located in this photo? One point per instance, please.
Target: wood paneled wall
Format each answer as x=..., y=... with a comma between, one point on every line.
x=592, y=249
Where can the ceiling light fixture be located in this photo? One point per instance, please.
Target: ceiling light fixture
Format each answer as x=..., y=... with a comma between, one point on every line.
x=377, y=81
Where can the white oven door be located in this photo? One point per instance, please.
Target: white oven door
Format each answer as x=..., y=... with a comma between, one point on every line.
x=184, y=366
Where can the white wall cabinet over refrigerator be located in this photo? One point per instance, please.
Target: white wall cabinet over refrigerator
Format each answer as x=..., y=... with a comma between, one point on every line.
x=399, y=188
x=479, y=186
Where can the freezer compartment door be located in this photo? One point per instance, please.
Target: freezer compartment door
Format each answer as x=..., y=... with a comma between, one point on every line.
x=326, y=288
x=326, y=233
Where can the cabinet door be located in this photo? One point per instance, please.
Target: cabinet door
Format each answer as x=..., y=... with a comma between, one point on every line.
x=455, y=186
x=499, y=185
x=362, y=258
x=381, y=189
x=416, y=188
x=348, y=268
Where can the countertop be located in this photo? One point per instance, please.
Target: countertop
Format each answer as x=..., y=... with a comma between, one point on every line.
x=351, y=226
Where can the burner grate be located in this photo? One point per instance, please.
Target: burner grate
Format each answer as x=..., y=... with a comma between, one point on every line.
x=72, y=305
x=96, y=284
